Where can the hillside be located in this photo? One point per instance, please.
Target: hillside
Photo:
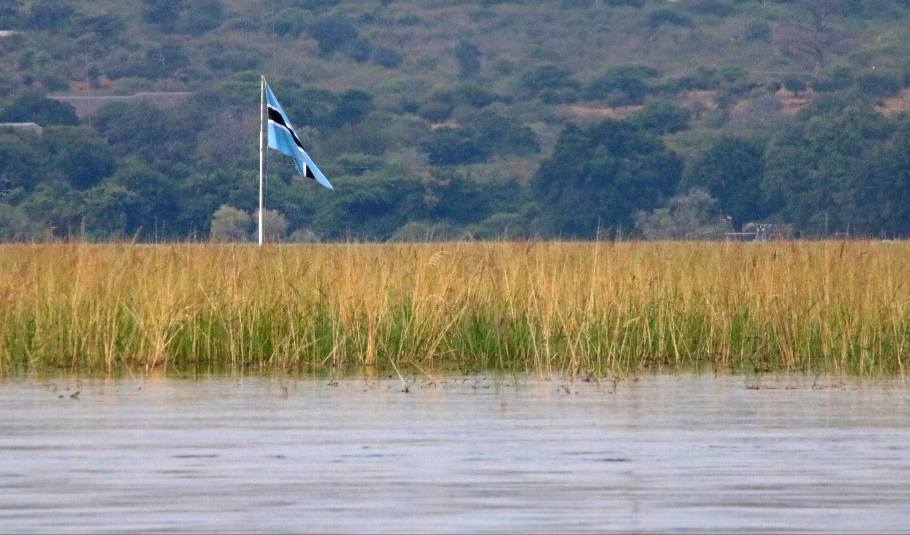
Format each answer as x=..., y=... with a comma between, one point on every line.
x=435, y=117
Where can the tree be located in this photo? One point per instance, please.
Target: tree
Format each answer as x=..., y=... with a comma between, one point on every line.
x=454, y=146
x=661, y=117
x=622, y=84
x=24, y=161
x=688, y=216
x=332, y=33
x=274, y=225
x=202, y=16
x=34, y=107
x=809, y=29
x=10, y=15
x=468, y=56
x=731, y=170
x=56, y=206
x=599, y=177
x=81, y=155
x=814, y=165
x=154, y=208
x=880, y=194
x=50, y=14
x=547, y=76
x=353, y=106
x=165, y=58
x=231, y=225
x=144, y=130
x=794, y=84
x=16, y=226
x=164, y=13
x=108, y=211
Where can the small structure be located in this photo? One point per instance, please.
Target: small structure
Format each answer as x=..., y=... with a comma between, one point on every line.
x=34, y=127
x=87, y=105
x=763, y=232
x=773, y=232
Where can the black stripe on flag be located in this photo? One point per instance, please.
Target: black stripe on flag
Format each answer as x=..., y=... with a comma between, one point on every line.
x=275, y=117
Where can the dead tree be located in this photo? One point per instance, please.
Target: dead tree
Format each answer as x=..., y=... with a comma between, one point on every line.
x=809, y=30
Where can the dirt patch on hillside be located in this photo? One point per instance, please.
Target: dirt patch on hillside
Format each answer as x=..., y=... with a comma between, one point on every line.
x=696, y=101
x=793, y=102
x=582, y=112
x=85, y=89
x=896, y=104
x=701, y=101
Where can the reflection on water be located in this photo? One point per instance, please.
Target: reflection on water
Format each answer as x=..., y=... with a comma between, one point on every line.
x=665, y=453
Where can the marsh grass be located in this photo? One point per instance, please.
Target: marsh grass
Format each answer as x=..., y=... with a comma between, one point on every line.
x=579, y=309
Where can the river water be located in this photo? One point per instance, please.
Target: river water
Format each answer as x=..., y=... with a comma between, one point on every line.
x=667, y=453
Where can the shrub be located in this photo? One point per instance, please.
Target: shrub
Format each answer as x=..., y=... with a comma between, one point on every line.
x=231, y=225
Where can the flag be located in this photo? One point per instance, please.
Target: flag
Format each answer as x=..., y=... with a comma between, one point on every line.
x=283, y=139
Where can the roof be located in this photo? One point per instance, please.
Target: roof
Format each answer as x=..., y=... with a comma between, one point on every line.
x=87, y=105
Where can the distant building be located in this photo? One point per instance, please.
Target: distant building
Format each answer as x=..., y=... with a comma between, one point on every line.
x=34, y=127
x=86, y=106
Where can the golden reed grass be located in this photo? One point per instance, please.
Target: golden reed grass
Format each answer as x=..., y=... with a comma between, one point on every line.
x=548, y=308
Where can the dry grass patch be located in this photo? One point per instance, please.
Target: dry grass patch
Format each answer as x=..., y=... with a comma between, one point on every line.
x=542, y=307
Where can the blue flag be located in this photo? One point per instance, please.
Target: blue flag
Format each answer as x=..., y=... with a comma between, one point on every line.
x=283, y=139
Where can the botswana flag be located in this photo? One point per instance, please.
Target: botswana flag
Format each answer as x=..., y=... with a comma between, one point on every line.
x=283, y=139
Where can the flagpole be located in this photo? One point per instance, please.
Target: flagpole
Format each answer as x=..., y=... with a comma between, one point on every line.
x=262, y=134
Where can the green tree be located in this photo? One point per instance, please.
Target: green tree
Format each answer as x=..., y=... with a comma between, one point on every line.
x=109, y=211
x=812, y=165
x=165, y=58
x=16, y=226
x=547, y=76
x=333, y=33
x=599, y=177
x=661, y=117
x=163, y=13
x=622, y=84
x=881, y=192
x=80, y=154
x=468, y=57
x=202, y=193
x=50, y=14
x=31, y=107
x=353, y=106
x=153, y=205
x=201, y=16
x=144, y=130
x=484, y=134
x=732, y=169
x=101, y=28
x=794, y=84
x=57, y=207
x=454, y=146
x=24, y=161
x=11, y=14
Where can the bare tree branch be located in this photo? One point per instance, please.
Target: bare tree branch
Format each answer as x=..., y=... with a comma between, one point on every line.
x=809, y=30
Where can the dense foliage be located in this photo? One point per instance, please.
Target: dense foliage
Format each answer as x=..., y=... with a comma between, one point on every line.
x=445, y=119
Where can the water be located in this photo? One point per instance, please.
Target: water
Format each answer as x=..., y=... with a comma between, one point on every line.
x=664, y=453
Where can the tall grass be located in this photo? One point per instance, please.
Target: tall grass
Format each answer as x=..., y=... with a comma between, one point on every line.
x=547, y=308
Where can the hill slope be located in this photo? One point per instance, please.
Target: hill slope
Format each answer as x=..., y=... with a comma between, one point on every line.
x=433, y=92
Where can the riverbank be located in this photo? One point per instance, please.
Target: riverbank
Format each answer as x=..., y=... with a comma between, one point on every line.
x=575, y=309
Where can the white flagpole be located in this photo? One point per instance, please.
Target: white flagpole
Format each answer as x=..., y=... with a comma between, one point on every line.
x=262, y=134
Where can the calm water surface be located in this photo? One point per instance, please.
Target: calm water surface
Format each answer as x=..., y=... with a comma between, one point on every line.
x=664, y=453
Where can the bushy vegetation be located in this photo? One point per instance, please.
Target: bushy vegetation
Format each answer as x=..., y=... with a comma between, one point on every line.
x=446, y=119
